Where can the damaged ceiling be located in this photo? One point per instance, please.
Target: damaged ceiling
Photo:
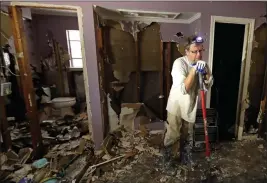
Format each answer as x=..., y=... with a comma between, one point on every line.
x=147, y=16
x=55, y=12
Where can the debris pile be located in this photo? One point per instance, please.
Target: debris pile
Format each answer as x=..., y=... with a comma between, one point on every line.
x=64, y=162
x=128, y=155
x=76, y=160
x=53, y=131
x=121, y=150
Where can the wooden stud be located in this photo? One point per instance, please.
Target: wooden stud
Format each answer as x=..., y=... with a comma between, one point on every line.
x=166, y=72
x=161, y=80
x=26, y=77
x=101, y=68
x=138, y=69
x=4, y=125
x=168, y=68
x=59, y=67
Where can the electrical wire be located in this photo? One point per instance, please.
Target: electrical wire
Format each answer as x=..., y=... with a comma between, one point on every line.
x=10, y=71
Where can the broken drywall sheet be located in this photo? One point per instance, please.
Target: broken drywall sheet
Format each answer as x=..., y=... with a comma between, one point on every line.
x=257, y=68
x=125, y=119
x=113, y=117
x=123, y=77
x=149, y=44
x=133, y=27
x=119, y=46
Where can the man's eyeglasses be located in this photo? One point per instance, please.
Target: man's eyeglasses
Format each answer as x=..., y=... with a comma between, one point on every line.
x=196, y=51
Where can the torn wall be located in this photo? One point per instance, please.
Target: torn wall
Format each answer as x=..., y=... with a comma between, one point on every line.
x=256, y=77
x=131, y=69
x=133, y=64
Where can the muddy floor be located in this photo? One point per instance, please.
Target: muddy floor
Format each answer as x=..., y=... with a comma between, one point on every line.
x=238, y=162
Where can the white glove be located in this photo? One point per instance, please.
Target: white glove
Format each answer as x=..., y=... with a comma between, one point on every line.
x=200, y=66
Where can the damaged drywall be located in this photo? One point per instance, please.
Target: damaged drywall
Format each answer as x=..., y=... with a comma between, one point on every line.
x=133, y=70
x=150, y=54
x=121, y=67
x=132, y=27
x=256, y=76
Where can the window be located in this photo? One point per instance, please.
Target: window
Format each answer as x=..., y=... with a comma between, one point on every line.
x=74, y=48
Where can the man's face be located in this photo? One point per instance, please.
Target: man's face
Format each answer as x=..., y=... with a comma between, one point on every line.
x=194, y=53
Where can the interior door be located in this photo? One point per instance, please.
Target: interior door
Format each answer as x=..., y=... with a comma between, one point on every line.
x=227, y=59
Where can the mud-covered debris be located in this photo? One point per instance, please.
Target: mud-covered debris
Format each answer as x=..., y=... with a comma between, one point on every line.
x=94, y=178
x=3, y=159
x=261, y=146
x=25, y=154
x=164, y=179
x=21, y=173
x=82, y=116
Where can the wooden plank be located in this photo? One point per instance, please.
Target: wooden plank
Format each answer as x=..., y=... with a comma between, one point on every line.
x=15, y=14
x=59, y=67
x=102, y=83
x=161, y=80
x=168, y=68
x=138, y=68
x=166, y=72
x=4, y=125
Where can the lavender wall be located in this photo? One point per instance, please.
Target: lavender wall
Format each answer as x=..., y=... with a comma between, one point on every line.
x=57, y=24
x=168, y=30
x=195, y=27
x=232, y=9
x=31, y=43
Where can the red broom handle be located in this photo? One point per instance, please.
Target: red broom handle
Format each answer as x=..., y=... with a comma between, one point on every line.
x=204, y=113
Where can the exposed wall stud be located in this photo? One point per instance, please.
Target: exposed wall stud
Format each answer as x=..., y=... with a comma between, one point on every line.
x=26, y=77
x=161, y=80
x=104, y=105
x=138, y=68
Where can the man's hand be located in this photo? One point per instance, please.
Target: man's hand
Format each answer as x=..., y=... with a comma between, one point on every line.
x=200, y=66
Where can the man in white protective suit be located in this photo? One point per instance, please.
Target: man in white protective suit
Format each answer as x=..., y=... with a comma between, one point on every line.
x=182, y=103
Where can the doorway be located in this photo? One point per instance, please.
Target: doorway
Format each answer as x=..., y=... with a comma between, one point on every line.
x=227, y=62
x=55, y=53
x=230, y=35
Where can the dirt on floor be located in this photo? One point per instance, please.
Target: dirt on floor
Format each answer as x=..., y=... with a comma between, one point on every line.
x=238, y=161
x=135, y=157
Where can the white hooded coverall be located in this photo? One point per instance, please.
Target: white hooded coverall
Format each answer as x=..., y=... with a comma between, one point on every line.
x=182, y=105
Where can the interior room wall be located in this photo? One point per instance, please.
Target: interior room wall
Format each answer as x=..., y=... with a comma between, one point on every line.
x=168, y=30
x=245, y=10
x=58, y=26
x=31, y=43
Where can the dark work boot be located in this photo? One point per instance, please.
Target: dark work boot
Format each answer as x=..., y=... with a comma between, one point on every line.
x=169, y=162
x=186, y=156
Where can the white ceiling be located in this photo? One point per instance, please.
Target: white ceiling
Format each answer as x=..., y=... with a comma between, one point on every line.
x=57, y=12
x=125, y=14
x=139, y=15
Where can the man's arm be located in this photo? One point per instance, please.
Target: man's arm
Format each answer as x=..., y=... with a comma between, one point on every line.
x=181, y=79
x=189, y=80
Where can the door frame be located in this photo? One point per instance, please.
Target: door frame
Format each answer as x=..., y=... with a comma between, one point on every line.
x=245, y=66
x=78, y=9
